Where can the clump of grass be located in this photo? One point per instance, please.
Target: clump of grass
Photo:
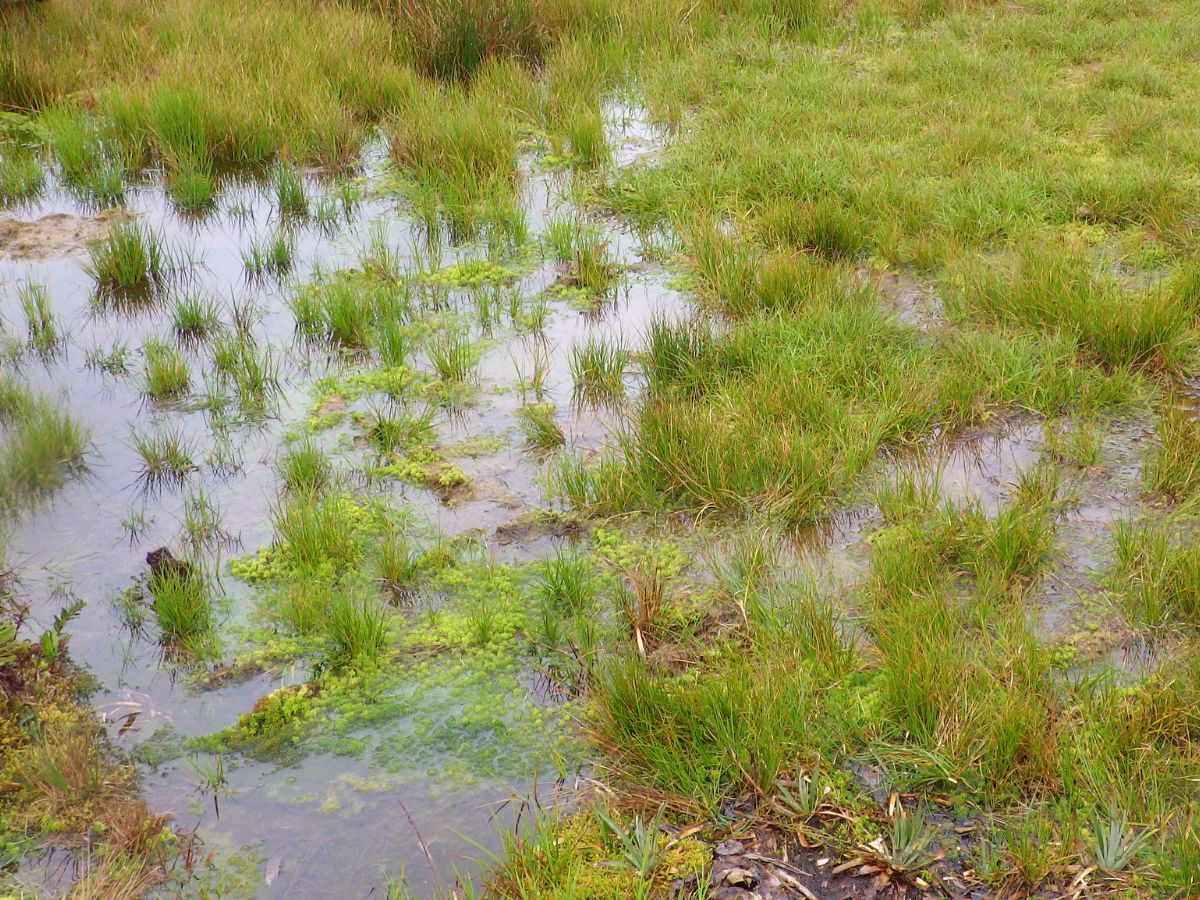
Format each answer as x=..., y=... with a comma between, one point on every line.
x=165, y=374
x=592, y=267
x=387, y=433
x=537, y=423
x=271, y=258
x=195, y=317
x=21, y=176
x=113, y=360
x=300, y=604
x=642, y=600
x=167, y=456
x=824, y=228
x=398, y=564
x=598, y=371
x=44, y=443
x=192, y=187
x=41, y=325
x=566, y=584
x=203, y=524
x=1173, y=467
x=130, y=265
x=253, y=372
x=356, y=630
x=291, y=198
x=393, y=343
x=585, y=138
x=304, y=468
x=1158, y=562
x=1014, y=546
x=451, y=39
x=1080, y=444
x=182, y=606
x=453, y=357
x=88, y=163
x=313, y=533
x=338, y=310
x=1053, y=289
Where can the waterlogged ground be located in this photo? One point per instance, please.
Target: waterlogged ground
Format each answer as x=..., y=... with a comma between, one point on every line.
x=439, y=743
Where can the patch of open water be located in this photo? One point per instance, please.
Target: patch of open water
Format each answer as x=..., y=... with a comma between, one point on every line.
x=325, y=826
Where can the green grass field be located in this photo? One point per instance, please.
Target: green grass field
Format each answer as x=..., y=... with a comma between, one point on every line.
x=895, y=219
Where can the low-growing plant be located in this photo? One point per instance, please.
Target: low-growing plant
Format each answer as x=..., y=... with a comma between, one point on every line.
x=21, y=176
x=453, y=357
x=399, y=563
x=291, y=198
x=270, y=258
x=112, y=360
x=45, y=442
x=182, y=606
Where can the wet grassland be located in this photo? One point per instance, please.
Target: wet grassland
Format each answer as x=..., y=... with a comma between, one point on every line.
x=600, y=449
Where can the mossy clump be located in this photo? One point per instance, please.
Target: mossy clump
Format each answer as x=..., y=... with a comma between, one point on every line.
x=425, y=468
x=588, y=862
x=470, y=273
x=273, y=729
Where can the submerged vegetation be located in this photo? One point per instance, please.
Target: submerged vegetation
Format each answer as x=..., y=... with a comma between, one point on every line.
x=757, y=603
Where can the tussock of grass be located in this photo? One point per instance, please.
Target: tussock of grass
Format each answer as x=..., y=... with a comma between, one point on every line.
x=1173, y=467
x=1058, y=291
x=355, y=629
x=166, y=453
x=45, y=443
x=304, y=468
x=539, y=428
x=271, y=257
x=1159, y=565
x=598, y=371
x=42, y=326
x=165, y=373
x=182, y=607
x=21, y=176
x=131, y=265
x=195, y=317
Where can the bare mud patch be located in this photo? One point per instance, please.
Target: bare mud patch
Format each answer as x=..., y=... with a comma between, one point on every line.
x=58, y=234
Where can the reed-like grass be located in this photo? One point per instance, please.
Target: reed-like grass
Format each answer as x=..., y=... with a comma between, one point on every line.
x=167, y=455
x=269, y=258
x=304, y=468
x=182, y=607
x=356, y=630
x=453, y=356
